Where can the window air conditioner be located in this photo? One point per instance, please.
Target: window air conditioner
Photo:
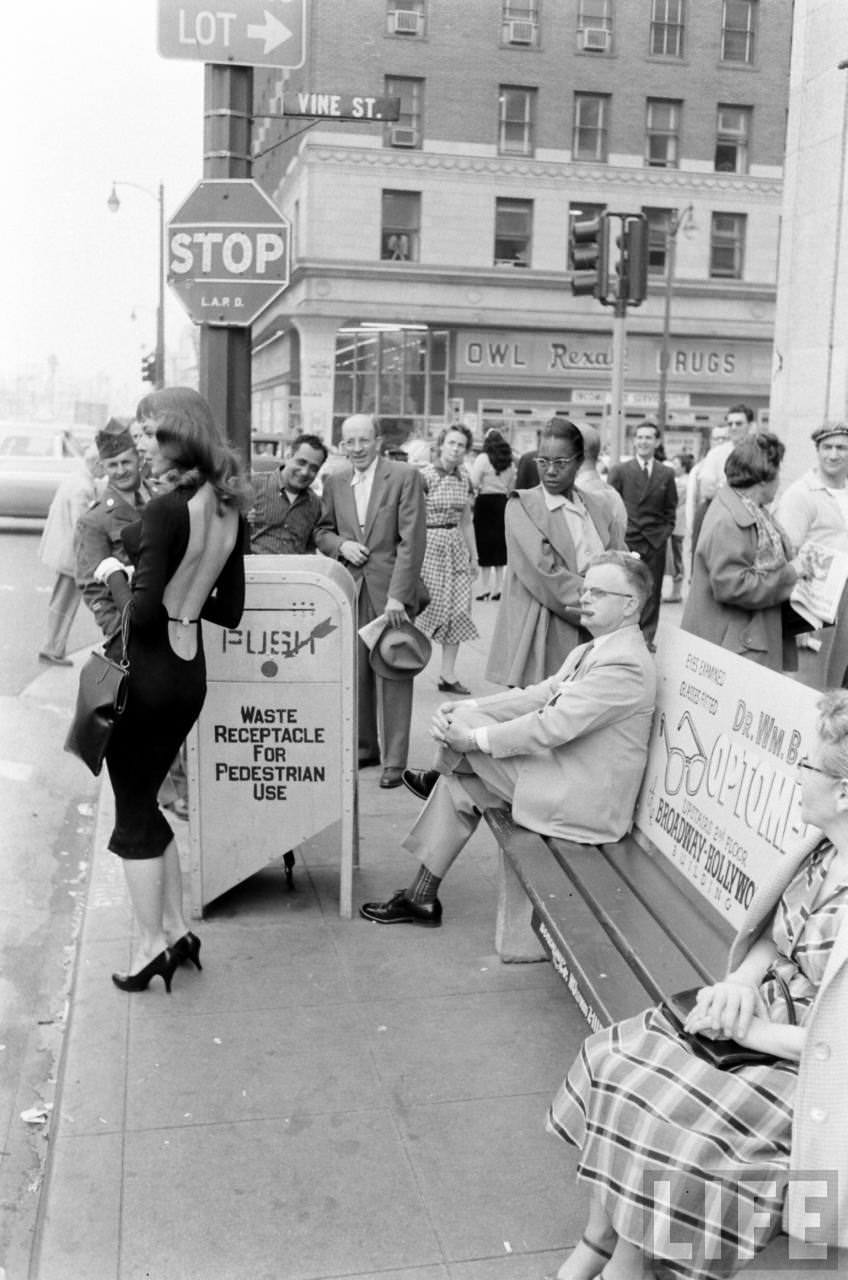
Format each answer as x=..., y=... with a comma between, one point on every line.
x=519, y=32
x=402, y=136
x=405, y=22
x=595, y=39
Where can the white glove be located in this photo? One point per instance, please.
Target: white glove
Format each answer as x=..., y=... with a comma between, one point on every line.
x=109, y=566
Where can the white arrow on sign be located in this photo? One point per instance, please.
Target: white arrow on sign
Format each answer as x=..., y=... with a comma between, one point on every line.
x=272, y=31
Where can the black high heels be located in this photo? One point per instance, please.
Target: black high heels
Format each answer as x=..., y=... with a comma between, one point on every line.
x=187, y=948
x=164, y=965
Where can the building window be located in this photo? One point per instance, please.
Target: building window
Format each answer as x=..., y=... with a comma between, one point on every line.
x=667, y=28
x=738, y=24
x=513, y=232
x=733, y=129
x=516, y=116
x=594, y=26
x=401, y=226
x=405, y=17
x=727, y=245
x=399, y=375
x=590, y=126
x=520, y=23
x=659, y=225
x=408, y=129
x=662, y=133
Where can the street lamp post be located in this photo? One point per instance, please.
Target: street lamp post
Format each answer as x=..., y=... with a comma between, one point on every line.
x=114, y=205
x=679, y=218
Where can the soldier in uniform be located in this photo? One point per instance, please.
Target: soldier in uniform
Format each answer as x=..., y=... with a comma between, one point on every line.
x=99, y=528
x=99, y=536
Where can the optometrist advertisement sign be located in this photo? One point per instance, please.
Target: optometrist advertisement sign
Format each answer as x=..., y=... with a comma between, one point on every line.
x=721, y=795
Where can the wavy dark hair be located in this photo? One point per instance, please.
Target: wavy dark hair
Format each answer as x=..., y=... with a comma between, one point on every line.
x=756, y=460
x=184, y=423
x=497, y=450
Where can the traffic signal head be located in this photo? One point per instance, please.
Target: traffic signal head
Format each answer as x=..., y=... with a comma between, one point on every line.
x=633, y=262
x=149, y=369
x=637, y=260
x=588, y=253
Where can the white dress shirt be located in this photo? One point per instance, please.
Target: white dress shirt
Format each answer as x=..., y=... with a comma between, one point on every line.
x=584, y=535
x=362, y=483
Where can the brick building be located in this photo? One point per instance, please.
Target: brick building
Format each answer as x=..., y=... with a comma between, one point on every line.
x=429, y=275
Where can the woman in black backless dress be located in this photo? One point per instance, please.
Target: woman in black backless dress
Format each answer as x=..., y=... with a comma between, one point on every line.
x=188, y=564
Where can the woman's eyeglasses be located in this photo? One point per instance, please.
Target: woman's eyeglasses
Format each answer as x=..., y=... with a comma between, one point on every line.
x=804, y=763
x=556, y=464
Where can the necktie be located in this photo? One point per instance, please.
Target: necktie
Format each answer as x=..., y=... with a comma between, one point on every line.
x=575, y=672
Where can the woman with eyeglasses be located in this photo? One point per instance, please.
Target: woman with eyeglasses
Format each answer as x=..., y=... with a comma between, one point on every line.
x=690, y=1166
x=744, y=570
x=552, y=532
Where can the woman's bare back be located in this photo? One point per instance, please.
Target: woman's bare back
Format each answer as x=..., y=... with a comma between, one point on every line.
x=212, y=536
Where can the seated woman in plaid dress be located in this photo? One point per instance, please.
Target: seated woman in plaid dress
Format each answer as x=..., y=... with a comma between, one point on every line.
x=450, y=561
x=689, y=1165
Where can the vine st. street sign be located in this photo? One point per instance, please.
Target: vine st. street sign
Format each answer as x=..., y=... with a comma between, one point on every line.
x=228, y=252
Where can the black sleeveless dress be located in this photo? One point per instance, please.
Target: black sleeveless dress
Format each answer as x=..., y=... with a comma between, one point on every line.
x=166, y=693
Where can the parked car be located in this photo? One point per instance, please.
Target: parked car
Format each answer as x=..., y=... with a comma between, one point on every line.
x=34, y=458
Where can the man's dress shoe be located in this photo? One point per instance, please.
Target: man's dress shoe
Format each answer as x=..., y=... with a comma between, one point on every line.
x=399, y=910
x=420, y=781
x=391, y=777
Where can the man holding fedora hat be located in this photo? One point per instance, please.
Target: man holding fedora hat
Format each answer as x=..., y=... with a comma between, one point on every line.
x=546, y=750
x=373, y=521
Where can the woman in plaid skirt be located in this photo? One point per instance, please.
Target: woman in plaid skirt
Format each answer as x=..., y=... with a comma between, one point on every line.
x=689, y=1165
x=450, y=562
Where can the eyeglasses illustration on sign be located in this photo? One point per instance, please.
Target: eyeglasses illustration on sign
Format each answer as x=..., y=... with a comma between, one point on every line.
x=681, y=768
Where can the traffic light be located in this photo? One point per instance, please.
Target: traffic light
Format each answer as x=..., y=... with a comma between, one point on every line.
x=633, y=261
x=149, y=369
x=588, y=254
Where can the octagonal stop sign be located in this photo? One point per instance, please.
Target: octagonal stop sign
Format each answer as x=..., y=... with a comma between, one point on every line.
x=228, y=252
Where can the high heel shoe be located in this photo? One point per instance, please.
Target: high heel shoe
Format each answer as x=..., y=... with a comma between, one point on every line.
x=164, y=964
x=187, y=948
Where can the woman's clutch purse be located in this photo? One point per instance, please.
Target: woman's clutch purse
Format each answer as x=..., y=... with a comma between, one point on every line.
x=724, y=1054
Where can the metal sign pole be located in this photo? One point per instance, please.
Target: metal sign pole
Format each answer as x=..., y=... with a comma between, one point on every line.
x=224, y=363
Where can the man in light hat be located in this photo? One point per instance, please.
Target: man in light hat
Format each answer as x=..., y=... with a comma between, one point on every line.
x=373, y=521
x=567, y=754
x=814, y=509
x=99, y=529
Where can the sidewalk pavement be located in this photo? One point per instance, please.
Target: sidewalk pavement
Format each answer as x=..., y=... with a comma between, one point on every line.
x=327, y=1098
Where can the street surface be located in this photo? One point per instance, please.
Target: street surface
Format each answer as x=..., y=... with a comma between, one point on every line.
x=46, y=824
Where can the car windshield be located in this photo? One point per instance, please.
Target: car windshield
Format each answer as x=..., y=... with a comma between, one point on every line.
x=21, y=445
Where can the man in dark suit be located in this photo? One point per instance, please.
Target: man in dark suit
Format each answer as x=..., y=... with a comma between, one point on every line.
x=650, y=496
x=373, y=520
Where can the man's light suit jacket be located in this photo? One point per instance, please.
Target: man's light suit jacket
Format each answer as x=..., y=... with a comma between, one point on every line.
x=581, y=757
x=395, y=530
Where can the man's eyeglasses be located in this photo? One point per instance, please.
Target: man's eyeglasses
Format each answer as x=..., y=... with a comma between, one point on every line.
x=555, y=464
x=598, y=593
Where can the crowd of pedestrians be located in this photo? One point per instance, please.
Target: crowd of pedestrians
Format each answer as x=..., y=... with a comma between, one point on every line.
x=575, y=564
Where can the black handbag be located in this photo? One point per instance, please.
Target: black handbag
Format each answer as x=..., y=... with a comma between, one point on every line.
x=101, y=699
x=724, y=1054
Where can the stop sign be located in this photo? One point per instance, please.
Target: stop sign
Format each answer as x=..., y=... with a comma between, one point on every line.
x=228, y=252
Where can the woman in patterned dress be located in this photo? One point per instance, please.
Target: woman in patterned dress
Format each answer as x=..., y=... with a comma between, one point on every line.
x=689, y=1165
x=450, y=563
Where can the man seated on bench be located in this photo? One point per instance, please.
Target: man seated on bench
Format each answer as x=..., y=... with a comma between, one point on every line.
x=568, y=754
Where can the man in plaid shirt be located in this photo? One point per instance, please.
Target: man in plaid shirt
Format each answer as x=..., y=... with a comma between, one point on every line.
x=286, y=510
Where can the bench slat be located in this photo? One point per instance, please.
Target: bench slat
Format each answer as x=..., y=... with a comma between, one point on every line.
x=696, y=929
x=599, y=978
x=640, y=936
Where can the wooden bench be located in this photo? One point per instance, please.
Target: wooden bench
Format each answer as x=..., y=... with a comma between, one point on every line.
x=621, y=925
